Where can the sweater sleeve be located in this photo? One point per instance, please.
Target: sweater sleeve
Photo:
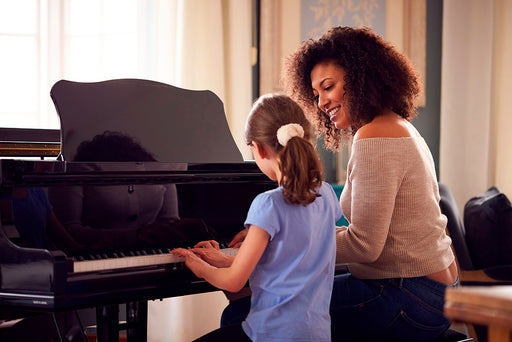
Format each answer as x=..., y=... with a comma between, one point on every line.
x=374, y=175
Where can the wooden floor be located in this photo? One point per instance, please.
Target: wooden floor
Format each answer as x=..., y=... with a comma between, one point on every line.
x=92, y=338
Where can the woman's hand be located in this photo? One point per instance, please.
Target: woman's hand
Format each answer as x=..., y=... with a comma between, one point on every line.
x=238, y=239
x=208, y=244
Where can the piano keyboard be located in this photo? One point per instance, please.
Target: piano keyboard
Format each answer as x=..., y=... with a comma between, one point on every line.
x=111, y=263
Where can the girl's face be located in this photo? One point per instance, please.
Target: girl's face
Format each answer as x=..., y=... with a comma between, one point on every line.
x=327, y=81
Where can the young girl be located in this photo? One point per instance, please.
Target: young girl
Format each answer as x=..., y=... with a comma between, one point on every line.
x=288, y=255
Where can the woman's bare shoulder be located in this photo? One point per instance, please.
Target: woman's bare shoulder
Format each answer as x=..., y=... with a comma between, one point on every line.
x=386, y=126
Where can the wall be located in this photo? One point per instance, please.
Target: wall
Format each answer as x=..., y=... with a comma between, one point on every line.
x=500, y=97
x=475, y=104
x=429, y=116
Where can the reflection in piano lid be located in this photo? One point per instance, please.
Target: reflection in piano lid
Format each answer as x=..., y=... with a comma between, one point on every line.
x=170, y=123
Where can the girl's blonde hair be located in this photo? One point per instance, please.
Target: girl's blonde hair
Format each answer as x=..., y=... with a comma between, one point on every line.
x=301, y=168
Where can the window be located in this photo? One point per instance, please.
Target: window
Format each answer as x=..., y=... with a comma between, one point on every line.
x=20, y=40
x=43, y=41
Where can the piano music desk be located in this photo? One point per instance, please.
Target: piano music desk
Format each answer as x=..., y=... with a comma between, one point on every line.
x=485, y=305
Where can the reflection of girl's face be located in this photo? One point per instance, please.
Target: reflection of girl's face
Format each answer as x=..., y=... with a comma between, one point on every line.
x=327, y=81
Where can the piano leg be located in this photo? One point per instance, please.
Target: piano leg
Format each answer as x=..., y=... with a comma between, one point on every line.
x=107, y=322
x=137, y=321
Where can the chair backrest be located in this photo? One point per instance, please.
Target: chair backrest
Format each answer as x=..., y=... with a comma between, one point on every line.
x=455, y=228
x=488, y=223
x=173, y=124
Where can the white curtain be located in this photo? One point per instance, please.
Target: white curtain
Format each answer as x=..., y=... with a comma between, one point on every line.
x=202, y=44
x=206, y=44
x=476, y=144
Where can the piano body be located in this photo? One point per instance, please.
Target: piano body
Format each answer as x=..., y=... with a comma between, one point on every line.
x=193, y=157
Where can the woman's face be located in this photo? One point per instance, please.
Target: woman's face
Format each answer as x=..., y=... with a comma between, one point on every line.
x=327, y=81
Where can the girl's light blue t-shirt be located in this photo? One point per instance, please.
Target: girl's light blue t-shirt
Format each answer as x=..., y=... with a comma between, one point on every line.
x=292, y=283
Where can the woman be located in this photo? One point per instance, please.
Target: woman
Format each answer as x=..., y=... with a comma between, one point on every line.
x=355, y=86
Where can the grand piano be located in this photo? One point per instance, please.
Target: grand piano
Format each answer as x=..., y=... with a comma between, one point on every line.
x=107, y=247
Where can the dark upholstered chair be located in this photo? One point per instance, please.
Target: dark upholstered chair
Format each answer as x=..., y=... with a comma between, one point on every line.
x=468, y=274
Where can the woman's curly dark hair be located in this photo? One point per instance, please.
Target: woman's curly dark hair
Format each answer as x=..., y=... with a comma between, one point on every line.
x=377, y=76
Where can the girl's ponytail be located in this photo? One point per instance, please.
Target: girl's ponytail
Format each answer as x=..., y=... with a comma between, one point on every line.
x=301, y=171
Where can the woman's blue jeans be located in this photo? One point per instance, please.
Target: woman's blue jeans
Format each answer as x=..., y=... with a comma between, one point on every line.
x=397, y=309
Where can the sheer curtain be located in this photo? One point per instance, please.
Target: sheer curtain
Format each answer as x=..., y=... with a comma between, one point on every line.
x=206, y=44
x=202, y=44
x=476, y=144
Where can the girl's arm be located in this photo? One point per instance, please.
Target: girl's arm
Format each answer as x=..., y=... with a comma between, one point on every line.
x=234, y=277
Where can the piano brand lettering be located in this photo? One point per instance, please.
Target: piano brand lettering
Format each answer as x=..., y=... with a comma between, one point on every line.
x=40, y=302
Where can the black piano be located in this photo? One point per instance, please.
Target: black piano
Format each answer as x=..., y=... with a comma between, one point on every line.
x=120, y=208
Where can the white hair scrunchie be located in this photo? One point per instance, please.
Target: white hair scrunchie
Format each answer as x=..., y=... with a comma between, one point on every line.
x=288, y=131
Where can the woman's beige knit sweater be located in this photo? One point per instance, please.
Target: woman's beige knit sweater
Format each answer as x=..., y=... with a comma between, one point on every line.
x=391, y=201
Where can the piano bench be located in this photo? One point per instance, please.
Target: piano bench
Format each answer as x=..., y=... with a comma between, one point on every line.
x=449, y=335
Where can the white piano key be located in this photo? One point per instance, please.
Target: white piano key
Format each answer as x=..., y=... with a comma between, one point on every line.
x=134, y=261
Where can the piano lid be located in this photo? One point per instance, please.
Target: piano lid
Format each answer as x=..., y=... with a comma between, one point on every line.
x=173, y=124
